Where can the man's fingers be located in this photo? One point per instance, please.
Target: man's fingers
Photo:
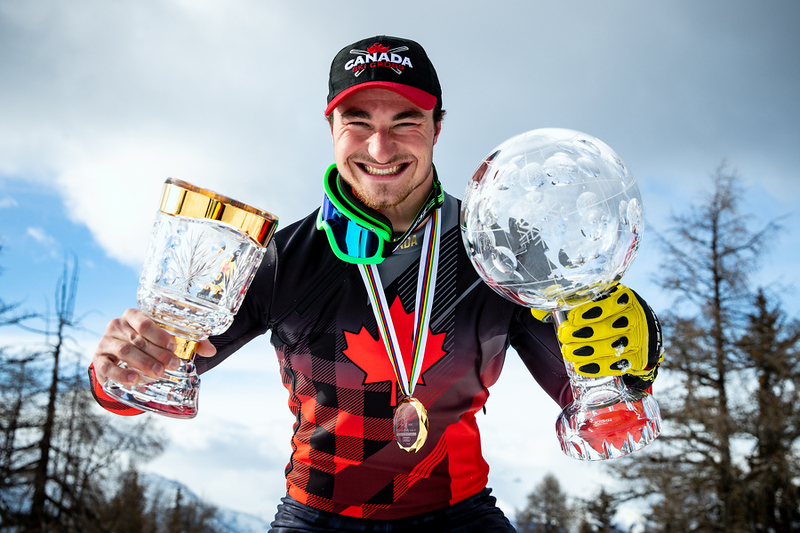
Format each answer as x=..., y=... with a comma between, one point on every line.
x=205, y=348
x=137, y=341
x=105, y=368
x=147, y=329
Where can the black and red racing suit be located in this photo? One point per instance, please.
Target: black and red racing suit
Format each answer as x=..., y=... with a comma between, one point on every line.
x=342, y=388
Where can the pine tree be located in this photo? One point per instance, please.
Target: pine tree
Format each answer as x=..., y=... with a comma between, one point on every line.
x=773, y=418
x=600, y=512
x=547, y=510
x=127, y=512
x=189, y=517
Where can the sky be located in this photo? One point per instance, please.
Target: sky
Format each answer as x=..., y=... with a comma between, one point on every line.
x=101, y=101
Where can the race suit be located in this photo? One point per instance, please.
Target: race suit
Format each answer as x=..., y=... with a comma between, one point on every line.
x=342, y=387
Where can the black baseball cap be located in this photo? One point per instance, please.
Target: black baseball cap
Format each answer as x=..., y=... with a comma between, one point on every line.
x=400, y=65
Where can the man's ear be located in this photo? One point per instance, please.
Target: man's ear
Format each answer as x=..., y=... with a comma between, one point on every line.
x=437, y=129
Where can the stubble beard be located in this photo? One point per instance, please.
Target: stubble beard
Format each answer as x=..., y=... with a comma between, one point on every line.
x=383, y=196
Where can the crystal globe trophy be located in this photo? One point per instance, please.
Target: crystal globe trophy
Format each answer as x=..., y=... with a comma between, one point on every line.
x=203, y=252
x=552, y=219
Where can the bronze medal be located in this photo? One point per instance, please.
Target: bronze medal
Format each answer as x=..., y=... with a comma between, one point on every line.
x=410, y=424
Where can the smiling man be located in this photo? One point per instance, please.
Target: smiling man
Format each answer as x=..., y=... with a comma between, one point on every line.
x=383, y=147
x=386, y=337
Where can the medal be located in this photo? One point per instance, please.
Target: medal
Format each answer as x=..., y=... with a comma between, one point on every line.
x=410, y=417
x=410, y=424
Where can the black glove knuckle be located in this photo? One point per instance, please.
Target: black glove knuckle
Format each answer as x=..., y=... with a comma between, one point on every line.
x=584, y=351
x=592, y=313
x=591, y=368
x=621, y=365
x=622, y=342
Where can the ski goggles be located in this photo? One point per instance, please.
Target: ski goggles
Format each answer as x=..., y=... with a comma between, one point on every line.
x=357, y=233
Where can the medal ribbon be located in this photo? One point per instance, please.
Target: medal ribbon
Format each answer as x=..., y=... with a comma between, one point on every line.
x=426, y=285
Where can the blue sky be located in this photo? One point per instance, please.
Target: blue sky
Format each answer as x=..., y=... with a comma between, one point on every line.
x=101, y=101
x=39, y=238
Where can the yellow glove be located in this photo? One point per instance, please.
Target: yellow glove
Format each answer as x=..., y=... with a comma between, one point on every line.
x=614, y=335
x=540, y=315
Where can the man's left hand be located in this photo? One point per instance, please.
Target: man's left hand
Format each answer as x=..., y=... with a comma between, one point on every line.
x=614, y=335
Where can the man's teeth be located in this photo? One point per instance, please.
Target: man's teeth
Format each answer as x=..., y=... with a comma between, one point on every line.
x=383, y=171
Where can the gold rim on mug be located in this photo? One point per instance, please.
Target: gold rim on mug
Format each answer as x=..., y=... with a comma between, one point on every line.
x=184, y=199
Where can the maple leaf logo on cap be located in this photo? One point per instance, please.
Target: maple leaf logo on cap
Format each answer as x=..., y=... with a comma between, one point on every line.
x=377, y=48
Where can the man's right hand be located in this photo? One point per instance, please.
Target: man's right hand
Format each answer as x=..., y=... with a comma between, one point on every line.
x=142, y=344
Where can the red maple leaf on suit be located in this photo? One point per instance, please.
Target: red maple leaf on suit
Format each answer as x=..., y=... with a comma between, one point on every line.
x=369, y=353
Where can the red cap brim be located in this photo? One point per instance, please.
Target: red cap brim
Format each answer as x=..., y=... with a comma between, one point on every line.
x=418, y=97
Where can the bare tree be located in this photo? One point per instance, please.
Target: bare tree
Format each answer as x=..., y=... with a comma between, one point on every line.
x=698, y=468
x=65, y=316
x=60, y=453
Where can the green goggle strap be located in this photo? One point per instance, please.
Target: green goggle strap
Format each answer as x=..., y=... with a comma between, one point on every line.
x=382, y=228
x=335, y=193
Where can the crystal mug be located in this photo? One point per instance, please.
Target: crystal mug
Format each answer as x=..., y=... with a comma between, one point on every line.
x=203, y=253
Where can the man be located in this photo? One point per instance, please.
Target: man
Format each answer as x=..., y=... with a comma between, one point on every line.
x=340, y=292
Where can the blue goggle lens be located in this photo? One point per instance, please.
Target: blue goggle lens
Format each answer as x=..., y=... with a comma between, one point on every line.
x=355, y=243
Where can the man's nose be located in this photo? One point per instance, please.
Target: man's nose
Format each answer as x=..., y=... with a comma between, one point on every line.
x=381, y=146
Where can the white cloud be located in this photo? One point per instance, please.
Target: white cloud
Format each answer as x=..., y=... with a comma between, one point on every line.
x=40, y=236
x=7, y=202
x=106, y=100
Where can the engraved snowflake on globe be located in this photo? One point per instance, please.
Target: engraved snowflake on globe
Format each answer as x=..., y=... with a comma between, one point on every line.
x=552, y=218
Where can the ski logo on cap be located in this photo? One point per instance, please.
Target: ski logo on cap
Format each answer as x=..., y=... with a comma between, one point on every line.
x=378, y=55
